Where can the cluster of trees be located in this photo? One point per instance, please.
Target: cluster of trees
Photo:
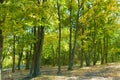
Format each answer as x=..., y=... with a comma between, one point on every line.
x=58, y=32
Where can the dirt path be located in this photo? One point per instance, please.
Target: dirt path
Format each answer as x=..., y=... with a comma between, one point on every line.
x=100, y=72
x=110, y=72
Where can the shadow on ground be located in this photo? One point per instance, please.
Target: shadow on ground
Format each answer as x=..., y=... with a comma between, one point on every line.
x=100, y=72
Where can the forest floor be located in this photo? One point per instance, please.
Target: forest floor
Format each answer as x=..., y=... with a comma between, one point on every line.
x=109, y=71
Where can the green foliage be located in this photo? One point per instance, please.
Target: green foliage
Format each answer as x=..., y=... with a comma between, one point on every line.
x=98, y=18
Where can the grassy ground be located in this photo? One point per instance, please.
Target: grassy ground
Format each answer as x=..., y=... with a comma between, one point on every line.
x=100, y=72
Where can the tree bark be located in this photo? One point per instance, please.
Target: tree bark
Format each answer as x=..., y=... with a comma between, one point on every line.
x=1, y=45
x=76, y=32
x=38, y=51
x=82, y=40
x=94, y=44
x=34, y=49
x=13, y=56
x=38, y=45
x=102, y=51
x=70, y=63
x=59, y=41
x=106, y=53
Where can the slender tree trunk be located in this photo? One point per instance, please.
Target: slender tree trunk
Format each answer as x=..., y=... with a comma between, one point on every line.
x=82, y=50
x=13, y=65
x=70, y=64
x=59, y=41
x=102, y=51
x=76, y=32
x=106, y=53
x=96, y=57
x=104, y=45
x=1, y=46
x=94, y=44
x=98, y=52
x=82, y=40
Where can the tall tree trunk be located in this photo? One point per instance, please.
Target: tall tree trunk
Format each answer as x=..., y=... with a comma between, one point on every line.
x=38, y=51
x=96, y=56
x=94, y=44
x=82, y=40
x=59, y=41
x=1, y=45
x=13, y=56
x=106, y=53
x=70, y=63
x=34, y=49
x=102, y=51
x=82, y=49
x=76, y=32
x=39, y=34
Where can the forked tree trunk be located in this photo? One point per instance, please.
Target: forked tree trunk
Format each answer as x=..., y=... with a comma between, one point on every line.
x=38, y=51
x=38, y=45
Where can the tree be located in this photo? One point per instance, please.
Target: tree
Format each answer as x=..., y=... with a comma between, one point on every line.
x=70, y=64
x=14, y=53
x=1, y=42
x=76, y=31
x=39, y=35
x=59, y=41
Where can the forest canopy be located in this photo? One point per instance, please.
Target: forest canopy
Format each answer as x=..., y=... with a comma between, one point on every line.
x=35, y=33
